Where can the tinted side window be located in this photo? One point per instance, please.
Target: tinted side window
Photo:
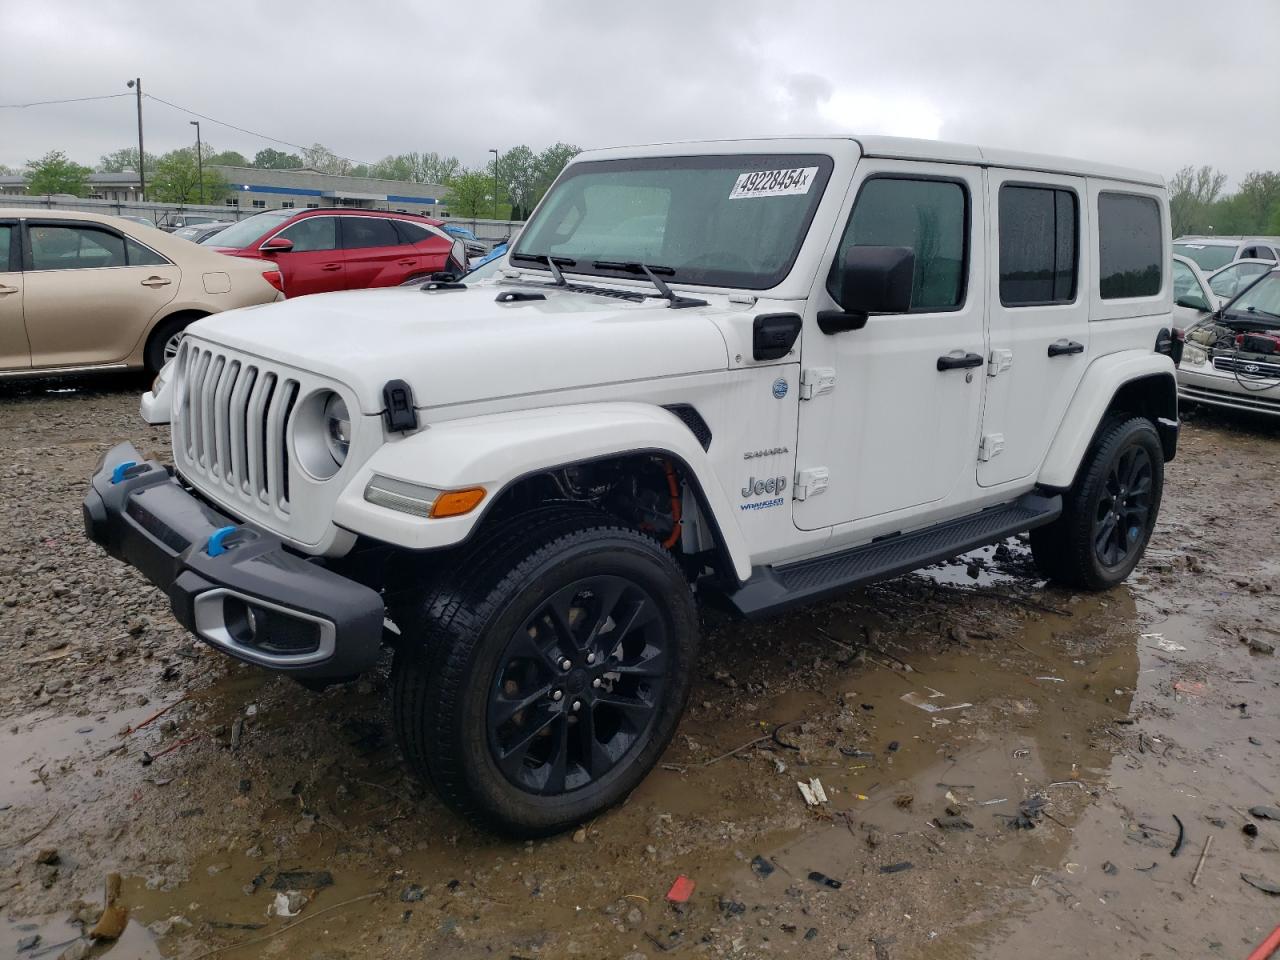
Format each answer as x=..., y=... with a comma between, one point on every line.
x=412, y=232
x=313, y=233
x=368, y=232
x=1129, y=249
x=74, y=247
x=7, y=261
x=140, y=256
x=929, y=216
x=1038, y=229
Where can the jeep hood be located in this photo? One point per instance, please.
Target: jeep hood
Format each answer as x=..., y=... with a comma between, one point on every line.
x=455, y=346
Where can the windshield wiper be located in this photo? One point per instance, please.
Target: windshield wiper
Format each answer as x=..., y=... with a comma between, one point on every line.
x=553, y=264
x=674, y=300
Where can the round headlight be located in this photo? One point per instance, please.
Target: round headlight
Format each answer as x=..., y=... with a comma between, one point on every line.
x=337, y=428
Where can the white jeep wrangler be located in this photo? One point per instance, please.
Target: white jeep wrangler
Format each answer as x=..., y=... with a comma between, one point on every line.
x=764, y=370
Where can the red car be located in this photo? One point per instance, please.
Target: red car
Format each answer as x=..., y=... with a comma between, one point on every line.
x=320, y=250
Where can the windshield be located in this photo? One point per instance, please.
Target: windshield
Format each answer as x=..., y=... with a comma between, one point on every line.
x=1207, y=256
x=247, y=231
x=1261, y=301
x=1229, y=281
x=724, y=221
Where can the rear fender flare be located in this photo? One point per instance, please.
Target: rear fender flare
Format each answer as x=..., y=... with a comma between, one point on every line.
x=496, y=451
x=1097, y=393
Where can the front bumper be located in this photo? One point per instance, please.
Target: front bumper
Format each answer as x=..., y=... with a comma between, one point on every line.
x=235, y=586
x=1204, y=384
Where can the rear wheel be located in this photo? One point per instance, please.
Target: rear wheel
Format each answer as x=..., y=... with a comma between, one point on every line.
x=162, y=345
x=1109, y=514
x=541, y=680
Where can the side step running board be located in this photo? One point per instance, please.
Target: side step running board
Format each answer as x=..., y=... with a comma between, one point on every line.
x=772, y=589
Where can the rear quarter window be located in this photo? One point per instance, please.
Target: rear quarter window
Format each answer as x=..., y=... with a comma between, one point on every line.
x=1130, y=249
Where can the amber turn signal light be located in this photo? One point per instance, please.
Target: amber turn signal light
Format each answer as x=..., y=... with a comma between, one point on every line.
x=454, y=503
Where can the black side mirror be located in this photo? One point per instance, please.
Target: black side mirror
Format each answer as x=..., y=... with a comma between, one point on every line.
x=868, y=280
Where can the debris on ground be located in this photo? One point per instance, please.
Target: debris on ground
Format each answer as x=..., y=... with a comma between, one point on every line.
x=761, y=866
x=1182, y=836
x=681, y=890
x=923, y=703
x=952, y=822
x=114, y=917
x=1265, y=812
x=897, y=867
x=1262, y=883
x=823, y=880
x=302, y=880
x=812, y=792
x=288, y=903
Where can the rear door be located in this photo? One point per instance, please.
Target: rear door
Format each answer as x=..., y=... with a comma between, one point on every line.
x=426, y=250
x=89, y=292
x=374, y=253
x=15, y=351
x=315, y=263
x=1038, y=318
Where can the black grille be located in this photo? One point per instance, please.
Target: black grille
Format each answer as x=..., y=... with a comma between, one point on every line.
x=692, y=419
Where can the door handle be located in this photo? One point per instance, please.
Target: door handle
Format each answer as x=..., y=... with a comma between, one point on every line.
x=952, y=362
x=1064, y=348
x=4, y=289
x=406, y=263
x=156, y=282
x=331, y=267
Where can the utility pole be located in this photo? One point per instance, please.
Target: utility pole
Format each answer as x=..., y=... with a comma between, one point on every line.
x=136, y=84
x=495, y=182
x=199, y=158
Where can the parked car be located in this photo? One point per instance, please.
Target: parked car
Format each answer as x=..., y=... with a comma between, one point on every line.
x=179, y=220
x=850, y=357
x=323, y=250
x=1231, y=357
x=82, y=291
x=475, y=246
x=199, y=232
x=1212, y=253
x=1227, y=281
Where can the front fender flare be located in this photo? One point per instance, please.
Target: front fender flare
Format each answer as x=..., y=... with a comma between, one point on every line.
x=496, y=450
x=1105, y=378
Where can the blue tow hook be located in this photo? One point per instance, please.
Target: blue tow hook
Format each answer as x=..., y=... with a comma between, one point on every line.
x=121, y=469
x=216, y=546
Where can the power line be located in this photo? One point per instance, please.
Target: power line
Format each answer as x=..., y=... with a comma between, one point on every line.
x=44, y=103
x=252, y=133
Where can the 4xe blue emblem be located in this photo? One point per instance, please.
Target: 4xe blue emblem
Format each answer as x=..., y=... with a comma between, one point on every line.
x=779, y=388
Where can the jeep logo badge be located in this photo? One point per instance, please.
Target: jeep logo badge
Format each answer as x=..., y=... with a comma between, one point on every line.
x=758, y=488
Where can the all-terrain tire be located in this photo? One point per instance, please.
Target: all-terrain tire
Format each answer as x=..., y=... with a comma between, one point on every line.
x=1068, y=550
x=458, y=627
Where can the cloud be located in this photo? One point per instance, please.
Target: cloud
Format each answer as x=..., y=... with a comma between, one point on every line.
x=1121, y=82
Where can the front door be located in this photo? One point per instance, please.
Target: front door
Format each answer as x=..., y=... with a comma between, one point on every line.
x=1039, y=318
x=898, y=427
x=89, y=292
x=15, y=351
x=315, y=263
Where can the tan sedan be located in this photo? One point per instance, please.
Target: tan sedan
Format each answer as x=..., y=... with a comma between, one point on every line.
x=82, y=291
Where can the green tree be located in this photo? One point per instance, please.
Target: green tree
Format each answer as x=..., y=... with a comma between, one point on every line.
x=227, y=158
x=126, y=158
x=319, y=157
x=470, y=194
x=176, y=179
x=1192, y=194
x=548, y=166
x=272, y=159
x=1256, y=200
x=416, y=167
x=54, y=173
x=518, y=174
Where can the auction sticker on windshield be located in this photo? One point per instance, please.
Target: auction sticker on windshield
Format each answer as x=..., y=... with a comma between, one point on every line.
x=773, y=183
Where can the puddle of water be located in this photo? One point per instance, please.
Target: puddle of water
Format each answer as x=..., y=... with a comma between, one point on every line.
x=37, y=744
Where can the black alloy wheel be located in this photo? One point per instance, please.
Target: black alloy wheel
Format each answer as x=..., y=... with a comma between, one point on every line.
x=578, y=685
x=1124, y=507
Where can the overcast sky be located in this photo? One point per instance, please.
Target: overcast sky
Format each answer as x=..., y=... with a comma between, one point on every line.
x=1150, y=83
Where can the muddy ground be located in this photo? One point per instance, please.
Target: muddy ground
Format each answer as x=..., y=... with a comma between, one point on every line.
x=1069, y=731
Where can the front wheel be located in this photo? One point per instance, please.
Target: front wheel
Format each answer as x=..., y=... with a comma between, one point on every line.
x=1109, y=513
x=541, y=679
